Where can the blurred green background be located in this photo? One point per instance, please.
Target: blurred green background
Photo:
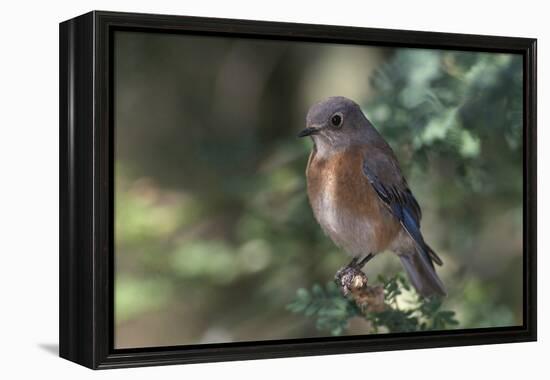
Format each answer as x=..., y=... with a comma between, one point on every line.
x=214, y=233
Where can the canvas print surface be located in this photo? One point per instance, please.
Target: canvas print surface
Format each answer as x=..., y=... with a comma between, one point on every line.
x=270, y=189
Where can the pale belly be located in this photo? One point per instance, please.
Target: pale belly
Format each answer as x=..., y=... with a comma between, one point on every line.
x=356, y=234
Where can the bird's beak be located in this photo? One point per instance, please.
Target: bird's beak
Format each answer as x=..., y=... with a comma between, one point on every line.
x=308, y=131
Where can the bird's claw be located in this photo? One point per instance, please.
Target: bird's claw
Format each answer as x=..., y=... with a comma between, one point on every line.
x=350, y=278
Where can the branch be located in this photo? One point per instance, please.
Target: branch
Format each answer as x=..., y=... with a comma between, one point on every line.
x=353, y=283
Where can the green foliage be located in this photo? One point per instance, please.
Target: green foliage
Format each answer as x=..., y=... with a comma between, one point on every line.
x=333, y=311
x=330, y=308
x=460, y=113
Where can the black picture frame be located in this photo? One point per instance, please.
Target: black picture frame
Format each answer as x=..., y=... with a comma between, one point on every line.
x=86, y=190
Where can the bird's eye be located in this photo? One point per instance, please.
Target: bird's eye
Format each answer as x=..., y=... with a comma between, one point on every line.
x=336, y=120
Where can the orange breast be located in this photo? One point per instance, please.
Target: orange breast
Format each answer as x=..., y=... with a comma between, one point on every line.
x=346, y=205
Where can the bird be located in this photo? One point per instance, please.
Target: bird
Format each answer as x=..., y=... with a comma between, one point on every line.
x=359, y=195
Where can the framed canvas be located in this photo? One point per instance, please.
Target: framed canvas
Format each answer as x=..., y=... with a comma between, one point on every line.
x=236, y=189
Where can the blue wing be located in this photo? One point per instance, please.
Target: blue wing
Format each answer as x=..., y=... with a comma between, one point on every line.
x=395, y=194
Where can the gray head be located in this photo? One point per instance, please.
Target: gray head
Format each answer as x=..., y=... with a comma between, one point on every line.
x=336, y=123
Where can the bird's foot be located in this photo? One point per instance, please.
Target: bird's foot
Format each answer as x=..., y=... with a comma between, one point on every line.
x=361, y=263
x=351, y=278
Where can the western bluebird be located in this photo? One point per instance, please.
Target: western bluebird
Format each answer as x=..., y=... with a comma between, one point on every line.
x=359, y=195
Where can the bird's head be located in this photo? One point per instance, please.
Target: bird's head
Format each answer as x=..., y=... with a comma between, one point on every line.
x=336, y=122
